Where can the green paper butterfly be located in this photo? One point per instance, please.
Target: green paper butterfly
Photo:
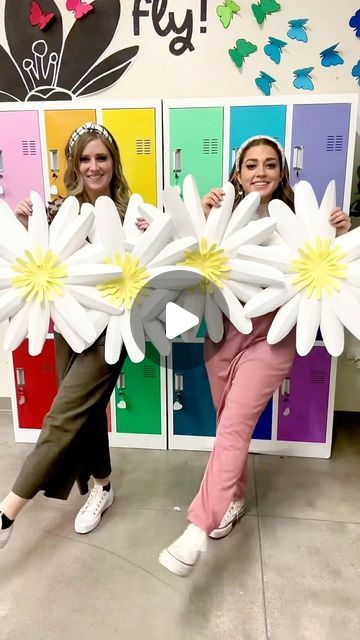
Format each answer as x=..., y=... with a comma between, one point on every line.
x=242, y=49
x=264, y=8
x=226, y=12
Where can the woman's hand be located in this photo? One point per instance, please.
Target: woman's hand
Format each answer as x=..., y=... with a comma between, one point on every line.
x=340, y=221
x=23, y=210
x=212, y=199
x=142, y=224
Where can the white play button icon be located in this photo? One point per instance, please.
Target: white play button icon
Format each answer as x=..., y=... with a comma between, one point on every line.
x=178, y=320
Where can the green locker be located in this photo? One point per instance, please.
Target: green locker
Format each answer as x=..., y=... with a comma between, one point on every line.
x=196, y=146
x=138, y=396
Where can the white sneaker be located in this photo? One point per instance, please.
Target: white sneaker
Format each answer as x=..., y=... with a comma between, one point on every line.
x=234, y=512
x=90, y=514
x=5, y=534
x=183, y=554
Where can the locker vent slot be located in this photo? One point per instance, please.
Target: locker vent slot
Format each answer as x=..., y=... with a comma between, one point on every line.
x=317, y=377
x=28, y=147
x=210, y=146
x=143, y=146
x=149, y=371
x=47, y=368
x=335, y=143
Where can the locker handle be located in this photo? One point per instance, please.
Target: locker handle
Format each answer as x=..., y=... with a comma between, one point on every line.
x=176, y=161
x=233, y=155
x=20, y=376
x=298, y=157
x=179, y=388
x=54, y=160
x=285, y=387
x=120, y=385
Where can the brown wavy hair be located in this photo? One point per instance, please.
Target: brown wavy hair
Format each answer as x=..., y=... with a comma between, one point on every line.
x=119, y=188
x=283, y=192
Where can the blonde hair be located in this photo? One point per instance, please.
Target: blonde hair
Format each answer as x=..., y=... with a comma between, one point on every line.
x=284, y=191
x=119, y=188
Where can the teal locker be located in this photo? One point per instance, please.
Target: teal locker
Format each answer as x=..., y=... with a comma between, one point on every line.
x=245, y=122
x=196, y=146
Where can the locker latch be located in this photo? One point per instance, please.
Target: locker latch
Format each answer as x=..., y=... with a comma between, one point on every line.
x=298, y=159
x=285, y=392
x=20, y=381
x=120, y=385
x=179, y=388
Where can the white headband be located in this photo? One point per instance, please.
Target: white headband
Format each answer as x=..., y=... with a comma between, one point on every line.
x=246, y=142
x=89, y=127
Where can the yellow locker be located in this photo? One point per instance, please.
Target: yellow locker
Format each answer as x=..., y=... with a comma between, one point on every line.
x=134, y=131
x=59, y=125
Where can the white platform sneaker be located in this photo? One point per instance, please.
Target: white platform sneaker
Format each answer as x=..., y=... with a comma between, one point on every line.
x=182, y=555
x=90, y=514
x=5, y=534
x=234, y=512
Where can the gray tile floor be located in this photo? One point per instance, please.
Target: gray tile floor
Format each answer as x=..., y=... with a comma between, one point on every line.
x=289, y=571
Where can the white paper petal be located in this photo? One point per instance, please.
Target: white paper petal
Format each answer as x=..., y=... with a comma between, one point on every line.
x=288, y=225
x=89, y=253
x=243, y=291
x=156, y=302
x=73, y=237
x=114, y=340
x=306, y=207
x=87, y=274
x=108, y=225
x=350, y=243
x=254, y=233
x=269, y=299
x=284, y=320
x=17, y=329
x=174, y=277
x=155, y=331
x=10, y=303
x=219, y=217
x=6, y=277
x=132, y=213
x=194, y=302
x=68, y=212
x=233, y=309
x=354, y=275
x=255, y=273
x=74, y=315
x=331, y=328
x=193, y=203
x=347, y=308
x=153, y=240
x=307, y=324
x=243, y=213
x=327, y=206
x=38, y=226
x=73, y=339
x=38, y=327
x=133, y=334
x=91, y=298
x=275, y=256
x=213, y=319
x=6, y=254
x=13, y=233
x=149, y=212
x=99, y=321
x=174, y=252
x=180, y=216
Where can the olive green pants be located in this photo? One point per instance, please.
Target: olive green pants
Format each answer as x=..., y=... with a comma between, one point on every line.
x=73, y=444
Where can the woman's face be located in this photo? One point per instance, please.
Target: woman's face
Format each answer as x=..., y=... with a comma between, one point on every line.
x=260, y=171
x=96, y=167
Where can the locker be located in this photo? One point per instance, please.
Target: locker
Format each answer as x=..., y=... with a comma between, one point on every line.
x=319, y=144
x=138, y=396
x=59, y=125
x=248, y=121
x=20, y=156
x=196, y=142
x=135, y=132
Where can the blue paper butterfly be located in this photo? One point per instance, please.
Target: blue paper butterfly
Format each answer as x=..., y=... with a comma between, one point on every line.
x=355, y=23
x=356, y=71
x=264, y=83
x=302, y=79
x=330, y=57
x=297, y=30
x=274, y=49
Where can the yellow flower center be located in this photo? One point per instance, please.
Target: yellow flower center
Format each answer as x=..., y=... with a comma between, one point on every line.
x=41, y=276
x=211, y=262
x=123, y=290
x=319, y=268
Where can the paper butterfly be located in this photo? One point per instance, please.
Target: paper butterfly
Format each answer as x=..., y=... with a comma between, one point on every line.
x=274, y=49
x=356, y=71
x=330, y=57
x=302, y=79
x=79, y=8
x=226, y=12
x=264, y=83
x=242, y=49
x=39, y=19
x=297, y=29
x=264, y=8
x=355, y=23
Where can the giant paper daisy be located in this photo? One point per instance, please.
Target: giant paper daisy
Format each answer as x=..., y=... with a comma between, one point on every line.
x=132, y=292
x=211, y=246
x=322, y=274
x=38, y=267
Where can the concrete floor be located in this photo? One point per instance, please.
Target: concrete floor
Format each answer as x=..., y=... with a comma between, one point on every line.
x=290, y=570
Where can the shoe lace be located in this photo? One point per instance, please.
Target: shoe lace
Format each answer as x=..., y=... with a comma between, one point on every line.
x=94, y=494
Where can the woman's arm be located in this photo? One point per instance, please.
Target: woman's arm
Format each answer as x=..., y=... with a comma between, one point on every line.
x=340, y=220
x=212, y=199
x=23, y=210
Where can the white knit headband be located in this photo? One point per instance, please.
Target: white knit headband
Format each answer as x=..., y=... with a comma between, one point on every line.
x=246, y=142
x=89, y=127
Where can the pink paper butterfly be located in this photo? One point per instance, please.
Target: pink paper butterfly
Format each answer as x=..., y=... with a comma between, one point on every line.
x=79, y=8
x=38, y=18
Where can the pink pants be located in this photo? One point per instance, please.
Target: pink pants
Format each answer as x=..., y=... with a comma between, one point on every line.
x=244, y=371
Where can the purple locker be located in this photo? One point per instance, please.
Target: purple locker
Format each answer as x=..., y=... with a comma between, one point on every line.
x=20, y=156
x=303, y=398
x=321, y=132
